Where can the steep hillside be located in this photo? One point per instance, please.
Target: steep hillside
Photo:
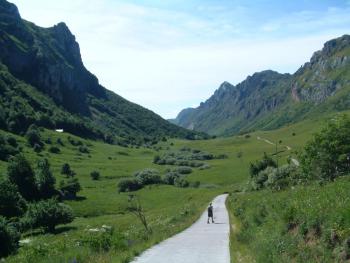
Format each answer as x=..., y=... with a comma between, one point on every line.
x=49, y=60
x=269, y=100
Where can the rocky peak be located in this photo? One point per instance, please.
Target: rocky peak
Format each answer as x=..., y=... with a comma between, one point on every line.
x=67, y=43
x=9, y=11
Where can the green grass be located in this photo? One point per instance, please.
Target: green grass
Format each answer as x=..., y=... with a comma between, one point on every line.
x=305, y=224
x=168, y=209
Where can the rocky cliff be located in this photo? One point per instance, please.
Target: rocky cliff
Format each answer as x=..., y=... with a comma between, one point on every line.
x=49, y=60
x=269, y=100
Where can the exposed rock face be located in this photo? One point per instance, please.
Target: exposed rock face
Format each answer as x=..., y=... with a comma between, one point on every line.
x=49, y=59
x=269, y=99
x=240, y=104
x=323, y=76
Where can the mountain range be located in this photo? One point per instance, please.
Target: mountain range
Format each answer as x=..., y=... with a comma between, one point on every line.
x=43, y=81
x=268, y=99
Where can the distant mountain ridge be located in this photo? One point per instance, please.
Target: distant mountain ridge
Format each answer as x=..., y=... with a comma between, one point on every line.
x=268, y=99
x=49, y=60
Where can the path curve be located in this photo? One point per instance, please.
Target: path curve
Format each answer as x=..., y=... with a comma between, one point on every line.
x=199, y=243
x=294, y=161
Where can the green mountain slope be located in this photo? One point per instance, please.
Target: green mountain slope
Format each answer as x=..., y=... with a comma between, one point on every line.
x=46, y=63
x=269, y=100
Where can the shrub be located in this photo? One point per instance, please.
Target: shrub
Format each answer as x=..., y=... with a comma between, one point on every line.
x=54, y=149
x=21, y=174
x=60, y=142
x=223, y=156
x=48, y=214
x=6, y=149
x=70, y=188
x=156, y=159
x=170, y=178
x=12, y=141
x=83, y=149
x=129, y=185
x=195, y=184
x=9, y=237
x=45, y=180
x=204, y=167
x=95, y=175
x=327, y=156
x=148, y=176
x=181, y=182
x=66, y=170
x=261, y=165
x=183, y=170
x=12, y=203
x=33, y=136
x=37, y=148
x=104, y=239
x=276, y=178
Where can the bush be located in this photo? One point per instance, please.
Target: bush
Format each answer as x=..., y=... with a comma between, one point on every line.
x=129, y=185
x=45, y=180
x=195, y=184
x=12, y=141
x=261, y=165
x=204, y=167
x=327, y=155
x=12, y=203
x=21, y=174
x=156, y=159
x=7, y=148
x=276, y=178
x=60, y=142
x=183, y=170
x=9, y=237
x=54, y=149
x=48, y=214
x=148, y=176
x=70, y=188
x=104, y=239
x=181, y=182
x=95, y=175
x=37, y=148
x=33, y=136
x=66, y=170
x=171, y=177
x=83, y=149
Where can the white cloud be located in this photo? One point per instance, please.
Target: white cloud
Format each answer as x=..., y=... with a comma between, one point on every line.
x=167, y=60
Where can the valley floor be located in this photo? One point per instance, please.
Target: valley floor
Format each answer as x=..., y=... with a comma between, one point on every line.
x=169, y=209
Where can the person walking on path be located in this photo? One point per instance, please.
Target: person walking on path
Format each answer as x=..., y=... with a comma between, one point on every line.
x=210, y=213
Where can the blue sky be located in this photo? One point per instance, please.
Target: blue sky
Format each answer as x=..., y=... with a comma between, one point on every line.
x=169, y=55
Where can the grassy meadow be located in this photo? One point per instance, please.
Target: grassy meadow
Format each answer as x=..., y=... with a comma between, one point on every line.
x=170, y=209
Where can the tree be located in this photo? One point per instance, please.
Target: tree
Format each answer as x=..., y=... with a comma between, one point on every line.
x=9, y=237
x=327, y=155
x=21, y=174
x=148, y=176
x=33, y=137
x=135, y=207
x=12, y=203
x=129, y=185
x=95, y=175
x=70, y=188
x=45, y=180
x=48, y=214
x=66, y=170
x=261, y=165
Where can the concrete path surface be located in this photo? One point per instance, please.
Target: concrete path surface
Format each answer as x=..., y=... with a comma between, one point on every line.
x=199, y=243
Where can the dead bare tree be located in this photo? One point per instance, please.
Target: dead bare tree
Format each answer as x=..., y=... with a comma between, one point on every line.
x=135, y=207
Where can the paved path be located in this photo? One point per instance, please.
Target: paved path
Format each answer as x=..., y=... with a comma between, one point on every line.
x=199, y=243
